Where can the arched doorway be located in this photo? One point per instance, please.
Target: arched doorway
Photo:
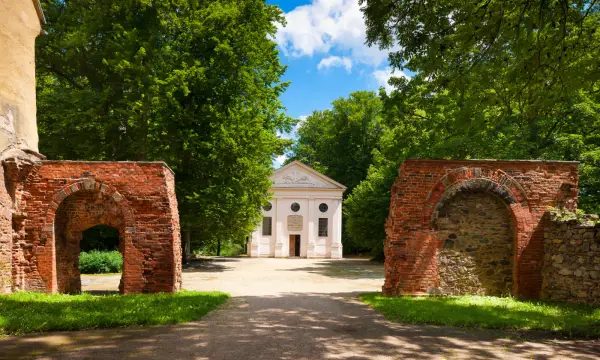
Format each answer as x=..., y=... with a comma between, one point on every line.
x=476, y=231
x=100, y=260
x=77, y=213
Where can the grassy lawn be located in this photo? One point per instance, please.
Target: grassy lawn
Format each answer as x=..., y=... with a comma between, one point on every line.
x=490, y=312
x=26, y=312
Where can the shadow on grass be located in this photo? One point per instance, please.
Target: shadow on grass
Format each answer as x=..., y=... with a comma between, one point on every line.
x=294, y=326
x=24, y=312
x=345, y=269
x=569, y=320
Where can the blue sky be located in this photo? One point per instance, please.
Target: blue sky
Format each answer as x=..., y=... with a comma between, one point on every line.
x=323, y=45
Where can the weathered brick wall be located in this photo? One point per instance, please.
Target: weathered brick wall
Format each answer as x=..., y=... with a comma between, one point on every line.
x=5, y=236
x=476, y=256
x=571, y=269
x=66, y=196
x=423, y=187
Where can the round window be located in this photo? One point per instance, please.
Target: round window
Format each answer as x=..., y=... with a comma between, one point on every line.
x=268, y=207
x=323, y=207
x=295, y=207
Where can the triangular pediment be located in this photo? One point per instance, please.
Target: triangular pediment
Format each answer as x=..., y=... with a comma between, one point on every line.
x=299, y=175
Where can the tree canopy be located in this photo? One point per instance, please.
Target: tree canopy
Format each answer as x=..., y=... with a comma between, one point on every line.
x=190, y=82
x=502, y=79
x=493, y=79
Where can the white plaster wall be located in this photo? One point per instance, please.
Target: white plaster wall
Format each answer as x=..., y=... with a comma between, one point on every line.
x=19, y=26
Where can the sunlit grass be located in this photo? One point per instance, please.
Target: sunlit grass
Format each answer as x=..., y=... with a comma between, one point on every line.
x=26, y=312
x=490, y=312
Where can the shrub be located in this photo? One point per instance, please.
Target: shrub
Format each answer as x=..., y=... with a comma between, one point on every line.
x=100, y=262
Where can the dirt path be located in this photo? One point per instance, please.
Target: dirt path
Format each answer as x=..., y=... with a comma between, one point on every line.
x=289, y=309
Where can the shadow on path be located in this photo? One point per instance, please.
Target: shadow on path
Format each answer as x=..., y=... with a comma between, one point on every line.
x=345, y=269
x=293, y=326
x=208, y=265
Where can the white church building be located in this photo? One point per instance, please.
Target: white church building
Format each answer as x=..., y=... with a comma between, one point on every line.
x=304, y=217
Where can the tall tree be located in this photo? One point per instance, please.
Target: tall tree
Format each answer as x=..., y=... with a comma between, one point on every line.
x=523, y=76
x=194, y=83
x=340, y=143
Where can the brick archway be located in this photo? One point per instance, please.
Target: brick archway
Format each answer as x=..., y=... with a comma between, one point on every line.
x=137, y=198
x=423, y=187
x=85, y=206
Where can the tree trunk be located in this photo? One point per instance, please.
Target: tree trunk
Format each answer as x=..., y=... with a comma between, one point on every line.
x=187, y=248
x=219, y=247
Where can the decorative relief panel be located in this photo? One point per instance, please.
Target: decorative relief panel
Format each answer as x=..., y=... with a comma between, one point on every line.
x=296, y=178
x=294, y=222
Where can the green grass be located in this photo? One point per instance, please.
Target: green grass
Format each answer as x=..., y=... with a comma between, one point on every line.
x=26, y=312
x=566, y=319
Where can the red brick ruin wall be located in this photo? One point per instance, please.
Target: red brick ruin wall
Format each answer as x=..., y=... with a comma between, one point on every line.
x=61, y=199
x=446, y=234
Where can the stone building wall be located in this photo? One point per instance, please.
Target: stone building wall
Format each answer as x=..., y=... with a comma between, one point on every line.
x=571, y=269
x=476, y=253
x=20, y=24
x=424, y=187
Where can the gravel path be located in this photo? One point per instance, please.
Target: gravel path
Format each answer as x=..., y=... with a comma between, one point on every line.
x=288, y=309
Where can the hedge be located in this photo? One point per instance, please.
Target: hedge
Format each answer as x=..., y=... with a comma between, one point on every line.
x=100, y=262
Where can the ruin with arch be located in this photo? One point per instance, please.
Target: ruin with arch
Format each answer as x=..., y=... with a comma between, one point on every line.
x=58, y=200
x=483, y=227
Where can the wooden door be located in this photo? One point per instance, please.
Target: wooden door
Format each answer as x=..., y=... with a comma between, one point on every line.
x=297, y=246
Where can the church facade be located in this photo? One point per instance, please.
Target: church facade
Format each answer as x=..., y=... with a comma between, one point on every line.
x=303, y=218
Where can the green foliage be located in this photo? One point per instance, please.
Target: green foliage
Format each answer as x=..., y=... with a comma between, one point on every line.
x=100, y=237
x=490, y=313
x=579, y=216
x=100, y=262
x=367, y=208
x=496, y=79
x=24, y=312
x=227, y=248
x=340, y=142
x=193, y=83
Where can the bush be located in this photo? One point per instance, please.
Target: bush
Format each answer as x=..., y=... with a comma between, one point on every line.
x=100, y=262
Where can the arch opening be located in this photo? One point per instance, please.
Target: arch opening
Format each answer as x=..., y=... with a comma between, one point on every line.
x=84, y=215
x=475, y=229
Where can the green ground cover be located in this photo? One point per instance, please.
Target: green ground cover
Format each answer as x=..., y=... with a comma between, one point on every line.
x=100, y=262
x=571, y=320
x=26, y=312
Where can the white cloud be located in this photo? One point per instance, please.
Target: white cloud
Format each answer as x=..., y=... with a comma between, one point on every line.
x=383, y=76
x=281, y=159
x=325, y=25
x=334, y=61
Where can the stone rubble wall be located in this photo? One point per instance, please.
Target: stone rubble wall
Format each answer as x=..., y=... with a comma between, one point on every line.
x=571, y=270
x=476, y=256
